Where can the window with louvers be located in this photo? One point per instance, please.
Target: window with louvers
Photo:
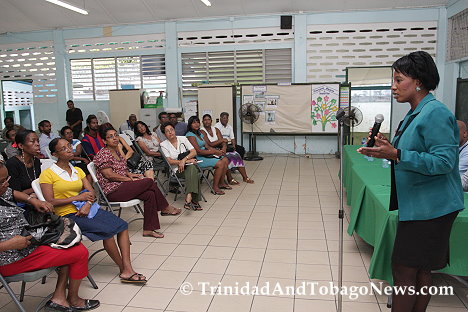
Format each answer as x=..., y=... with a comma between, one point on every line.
x=243, y=67
x=93, y=78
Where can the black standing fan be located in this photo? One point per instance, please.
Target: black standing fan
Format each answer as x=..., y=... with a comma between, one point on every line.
x=249, y=114
x=352, y=118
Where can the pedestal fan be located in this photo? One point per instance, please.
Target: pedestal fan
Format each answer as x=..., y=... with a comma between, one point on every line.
x=352, y=118
x=249, y=114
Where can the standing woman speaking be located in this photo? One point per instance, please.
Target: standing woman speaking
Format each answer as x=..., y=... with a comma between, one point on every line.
x=426, y=187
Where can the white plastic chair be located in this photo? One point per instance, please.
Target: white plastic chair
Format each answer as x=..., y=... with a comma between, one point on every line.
x=124, y=204
x=36, y=186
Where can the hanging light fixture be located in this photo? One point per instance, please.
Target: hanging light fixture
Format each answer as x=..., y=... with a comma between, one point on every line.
x=206, y=2
x=68, y=6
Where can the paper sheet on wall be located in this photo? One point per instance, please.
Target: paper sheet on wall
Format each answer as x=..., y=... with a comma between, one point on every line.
x=270, y=117
x=272, y=101
x=325, y=99
x=259, y=89
x=248, y=99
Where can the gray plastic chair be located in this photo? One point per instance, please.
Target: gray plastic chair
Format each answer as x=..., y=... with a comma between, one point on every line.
x=24, y=278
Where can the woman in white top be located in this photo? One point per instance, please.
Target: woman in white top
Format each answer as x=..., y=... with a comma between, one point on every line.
x=216, y=140
x=172, y=147
x=149, y=143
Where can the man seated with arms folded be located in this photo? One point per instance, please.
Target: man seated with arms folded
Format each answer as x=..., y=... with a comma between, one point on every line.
x=216, y=140
x=128, y=124
x=92, y=142
x=63, y=186
x=119, y=184
x=463, y=149
x=184, y=168
x=18, y=255
x=180, y=127
x=228, y=133
x=163, y=118
x=46, y=136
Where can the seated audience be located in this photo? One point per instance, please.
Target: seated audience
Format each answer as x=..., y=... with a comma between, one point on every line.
x=180, y=127
x=228, y=133
x=149, y=143
x=26, y=166
x=17, y=255
x=144, y=167
x=46, y=136
x=163, y=118
x=78, y=161
x=216, y=140
x=11, y=149
x=463, y=150
x=10, y=124
x=128, y=124
x=119, y=184
x=91, y=142
x=464, y=179
x=209, y=156
x=184, y=167
x=63, y=185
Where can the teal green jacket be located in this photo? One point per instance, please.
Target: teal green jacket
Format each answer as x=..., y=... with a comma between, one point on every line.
x=427, y=178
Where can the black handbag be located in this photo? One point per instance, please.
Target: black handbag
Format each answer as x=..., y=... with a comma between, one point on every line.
x=184, y=154
x=133, y=161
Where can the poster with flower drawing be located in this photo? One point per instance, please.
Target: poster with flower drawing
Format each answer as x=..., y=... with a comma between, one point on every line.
x=324, y=105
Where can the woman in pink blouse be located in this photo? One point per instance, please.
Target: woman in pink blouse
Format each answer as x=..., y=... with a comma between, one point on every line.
x=121, y=185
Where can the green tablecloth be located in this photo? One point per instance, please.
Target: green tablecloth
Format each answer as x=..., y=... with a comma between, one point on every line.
x=368, y=190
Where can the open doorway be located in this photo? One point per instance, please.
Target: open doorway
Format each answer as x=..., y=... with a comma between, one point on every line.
x=17, y=102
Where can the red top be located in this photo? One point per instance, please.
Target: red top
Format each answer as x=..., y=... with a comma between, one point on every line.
x=105, y=159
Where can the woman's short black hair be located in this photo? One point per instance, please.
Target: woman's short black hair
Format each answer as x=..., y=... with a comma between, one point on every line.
x=191, y=120
x=62, y=131
x=53, y=144
x=137, y=133
x=21, y=136
x=421, y=66
x=164, y=125
x=104, y=128
x=207, y=115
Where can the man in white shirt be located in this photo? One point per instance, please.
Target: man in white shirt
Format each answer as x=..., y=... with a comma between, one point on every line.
x=228, y=133
x=463, y=149
x=46, y=136
x=128, y=124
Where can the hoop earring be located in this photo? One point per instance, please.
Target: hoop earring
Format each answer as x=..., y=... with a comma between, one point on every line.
x=418, y=89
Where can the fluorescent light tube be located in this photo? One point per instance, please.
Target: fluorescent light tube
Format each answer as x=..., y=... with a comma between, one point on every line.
x=206, y=2
x=68, y=6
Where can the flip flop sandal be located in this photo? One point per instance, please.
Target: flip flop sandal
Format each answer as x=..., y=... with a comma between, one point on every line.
x=133, y=281
x=151, y=235
x=249, y=180
x=173, y=213
x=219, y=193
x=225, y=187
x=234, y=182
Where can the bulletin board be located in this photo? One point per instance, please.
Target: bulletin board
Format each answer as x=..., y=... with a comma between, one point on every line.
x=294, y=108
x=214, y=100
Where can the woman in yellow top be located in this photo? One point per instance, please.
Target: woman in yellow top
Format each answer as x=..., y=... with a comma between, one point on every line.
x=64, y=186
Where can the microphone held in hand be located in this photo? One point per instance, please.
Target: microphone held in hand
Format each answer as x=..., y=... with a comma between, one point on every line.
x=379, y=118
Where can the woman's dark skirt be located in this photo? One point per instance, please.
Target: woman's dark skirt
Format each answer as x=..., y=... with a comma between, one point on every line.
x=104, y=225
x=424, y=244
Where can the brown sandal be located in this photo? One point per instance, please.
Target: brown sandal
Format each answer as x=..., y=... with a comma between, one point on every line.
x=234, y=182
x=249, y=180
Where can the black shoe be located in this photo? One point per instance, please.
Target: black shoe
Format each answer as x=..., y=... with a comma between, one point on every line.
x=89, y=305
x=52, y=306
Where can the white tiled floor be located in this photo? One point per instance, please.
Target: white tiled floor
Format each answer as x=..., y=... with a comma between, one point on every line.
x=282, y=229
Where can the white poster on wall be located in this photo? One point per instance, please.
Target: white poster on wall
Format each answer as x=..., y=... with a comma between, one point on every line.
x=324, y=105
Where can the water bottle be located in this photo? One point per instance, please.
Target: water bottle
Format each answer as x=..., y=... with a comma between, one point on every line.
x=363, y=144
x=385, y=163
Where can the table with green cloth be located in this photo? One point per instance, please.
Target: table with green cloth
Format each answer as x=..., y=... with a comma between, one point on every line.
x=367, y=186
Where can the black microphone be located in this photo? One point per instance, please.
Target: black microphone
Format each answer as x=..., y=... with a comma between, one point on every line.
x=379, y=118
